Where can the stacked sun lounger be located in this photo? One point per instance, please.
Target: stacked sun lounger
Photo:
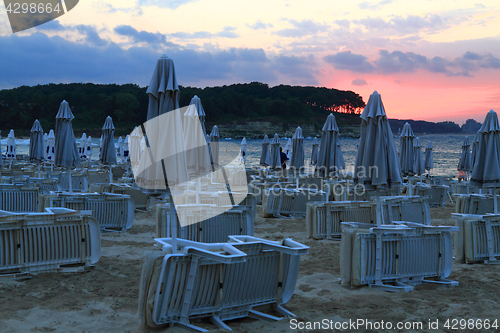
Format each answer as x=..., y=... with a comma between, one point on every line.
x=286, y=201
x=323, y=219
x=205, y=223
x=436, y=194
x=479, y=204
x=19, y=198
x=58, y=240
x=396, y=257
x=478, y=239
x=221, y=281
x=112, y=211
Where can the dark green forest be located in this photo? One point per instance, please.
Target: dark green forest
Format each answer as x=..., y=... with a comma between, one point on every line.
x=127, y=105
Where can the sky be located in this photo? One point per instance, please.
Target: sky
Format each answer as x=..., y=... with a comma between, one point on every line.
x=429, y=60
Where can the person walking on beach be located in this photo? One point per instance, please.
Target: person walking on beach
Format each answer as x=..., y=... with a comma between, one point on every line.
x=283, y=158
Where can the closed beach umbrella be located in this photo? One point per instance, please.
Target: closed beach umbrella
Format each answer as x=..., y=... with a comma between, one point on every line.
x=275, y=158
x=65, y=150
x=196, y=102
x=197, y=158
x=406, y=154
x=51, y=142
x=243, y=150
x=164, y=158
x=45, y=144
x=377, y=158
x=135, y=148
x=88, y=148
x=214, y=145
x=108, y=153
x=418, y=160
x=82, y=147
x=314, y=153
x=264, y=155
x=119, y=150
x=473, y=155
x=11, y=145
x=327, y=157
x=36, y=151
x=429, y=163
x=486, y=171
x=464, y=164
x=297, y=160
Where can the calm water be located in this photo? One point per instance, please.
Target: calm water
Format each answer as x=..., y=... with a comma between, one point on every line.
x=446, y=148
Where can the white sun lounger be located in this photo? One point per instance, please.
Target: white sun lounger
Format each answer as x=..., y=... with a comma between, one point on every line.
x=220, y=281
x=396, y=257
x=223, y=223
x=112, y=211
x=478, y=239
x=19, y=198
x=59, y=240
x=285, y=201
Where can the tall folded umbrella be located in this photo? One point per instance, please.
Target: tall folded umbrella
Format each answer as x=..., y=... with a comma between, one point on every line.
x=45, y=144
x=264, y=155
x=11, y=145
x=340, y=156
x=214, y=145
x=196, y=102
x=65, y=150
x=314, y=153
x=82, y=147
x=36, y=142
x=134, y=143
x=473, y=155
x=418, y=160
x=486, y=171
x=377, y=159
x=328, y=158
x=243, y=150
x=464, y=164
x=275, y=158
x=198, y=158
x=119, y=150
x=108, y=153
x=297, y=160
x=88, y=148
x=406, y=154
x=429, y=163
x=51, y=142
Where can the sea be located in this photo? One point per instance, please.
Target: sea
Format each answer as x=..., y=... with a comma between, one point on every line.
x=447, y=149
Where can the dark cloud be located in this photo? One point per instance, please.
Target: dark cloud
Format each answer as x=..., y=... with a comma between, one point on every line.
x=91, y=35
x=51, y=26
x=359, y=82
x=259, y=25
x=347, y=60
x=40, y=59
x=302, y=28
x=141, y=36
x=409, y=62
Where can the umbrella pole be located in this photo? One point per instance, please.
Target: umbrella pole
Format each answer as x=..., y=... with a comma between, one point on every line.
x=173, y=225
x=378, y=211
x=70, y=186
x=495, y=200
x=110, y=175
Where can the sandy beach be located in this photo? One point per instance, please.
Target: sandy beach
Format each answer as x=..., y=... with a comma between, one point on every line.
x=104, y=299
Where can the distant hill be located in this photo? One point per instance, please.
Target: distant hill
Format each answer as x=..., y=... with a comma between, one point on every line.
x=281, y=107
x=421, y=126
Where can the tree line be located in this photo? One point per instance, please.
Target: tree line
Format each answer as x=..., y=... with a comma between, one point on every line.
x=127, y=104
